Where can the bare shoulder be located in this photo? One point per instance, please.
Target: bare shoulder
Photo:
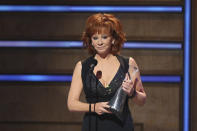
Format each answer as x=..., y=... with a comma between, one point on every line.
x=133, y=67
x=78, y=67
x=132, y=62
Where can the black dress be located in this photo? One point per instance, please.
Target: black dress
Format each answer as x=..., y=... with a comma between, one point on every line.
x=104, y=122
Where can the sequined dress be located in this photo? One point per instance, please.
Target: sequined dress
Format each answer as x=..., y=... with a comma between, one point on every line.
x=93, y=93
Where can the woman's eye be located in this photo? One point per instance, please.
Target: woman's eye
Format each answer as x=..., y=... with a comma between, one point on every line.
x=95, y=38
x=104, y=37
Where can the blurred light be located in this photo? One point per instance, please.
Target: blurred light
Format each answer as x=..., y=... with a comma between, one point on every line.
x=153, y=45
x=165, y=79
x=36, y=78
x=74, y=44
x=53, y=44
x=186, y=92
x=65, y=8
x=68, y=78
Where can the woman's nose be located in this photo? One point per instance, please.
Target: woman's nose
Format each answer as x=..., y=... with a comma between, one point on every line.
x=100, y=42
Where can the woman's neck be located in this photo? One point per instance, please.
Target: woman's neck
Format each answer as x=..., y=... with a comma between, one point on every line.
x=103, y=57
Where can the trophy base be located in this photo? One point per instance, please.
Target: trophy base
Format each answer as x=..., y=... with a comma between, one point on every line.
x=117, y=113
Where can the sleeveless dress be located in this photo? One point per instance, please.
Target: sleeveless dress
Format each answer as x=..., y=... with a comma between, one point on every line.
x=96, y=92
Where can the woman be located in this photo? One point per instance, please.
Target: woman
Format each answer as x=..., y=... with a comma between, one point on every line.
x=100, y=80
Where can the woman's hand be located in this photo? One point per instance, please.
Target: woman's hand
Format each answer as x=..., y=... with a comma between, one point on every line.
x=128, y=85
x=101, y=107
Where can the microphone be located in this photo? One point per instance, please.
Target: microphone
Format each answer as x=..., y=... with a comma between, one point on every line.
x=93, y=64
x=98, y=76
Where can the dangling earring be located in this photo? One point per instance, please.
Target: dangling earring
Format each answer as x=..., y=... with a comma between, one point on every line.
x=113, y=42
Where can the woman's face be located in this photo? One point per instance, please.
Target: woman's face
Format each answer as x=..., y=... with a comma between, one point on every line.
x=102, y=43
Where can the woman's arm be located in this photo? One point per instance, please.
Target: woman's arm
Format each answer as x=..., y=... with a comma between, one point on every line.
x=73, y=102
x=140, y=96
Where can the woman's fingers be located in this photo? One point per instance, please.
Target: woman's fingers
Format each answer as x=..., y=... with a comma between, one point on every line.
x=128, y=86
x=105, y=111
x=102, y=107
x=106, y=105
x=125, y=90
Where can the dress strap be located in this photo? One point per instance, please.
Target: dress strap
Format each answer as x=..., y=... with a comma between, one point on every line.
x=124, y=62
x=85, y=67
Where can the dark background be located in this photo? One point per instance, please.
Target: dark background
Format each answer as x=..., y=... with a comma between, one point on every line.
x=41, y=106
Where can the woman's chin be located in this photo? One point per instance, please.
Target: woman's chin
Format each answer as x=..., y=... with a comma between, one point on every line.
x=103, y=51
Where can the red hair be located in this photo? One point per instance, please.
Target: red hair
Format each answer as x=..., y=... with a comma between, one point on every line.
x=96, y=23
